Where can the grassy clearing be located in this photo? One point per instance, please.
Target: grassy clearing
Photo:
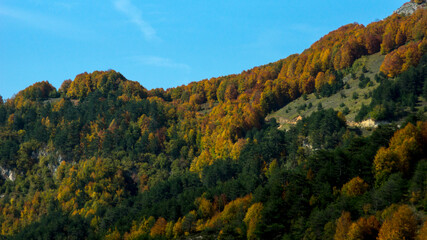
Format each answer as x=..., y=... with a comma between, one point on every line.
x=345, y=98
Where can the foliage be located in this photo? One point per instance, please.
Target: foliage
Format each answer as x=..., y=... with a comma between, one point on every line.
x=104, y=158
x=355, y=187
x=401, y=225
x=343, y=226
x=252, y=218
x=401, y=155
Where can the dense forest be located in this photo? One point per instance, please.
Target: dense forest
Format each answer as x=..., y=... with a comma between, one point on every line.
x=104, y=158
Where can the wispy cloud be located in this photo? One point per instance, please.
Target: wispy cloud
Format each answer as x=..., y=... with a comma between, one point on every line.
x=43, y=22
x=160, y=62
x=31, y=18
x=135, y=16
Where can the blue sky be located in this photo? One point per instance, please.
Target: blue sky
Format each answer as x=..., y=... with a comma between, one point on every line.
x=162, y=43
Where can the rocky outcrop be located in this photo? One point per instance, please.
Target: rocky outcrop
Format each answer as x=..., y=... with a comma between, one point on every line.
x=410, y=7
x=369, y=123
x=7, y=174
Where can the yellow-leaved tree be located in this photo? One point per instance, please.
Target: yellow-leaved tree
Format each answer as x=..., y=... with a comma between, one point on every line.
x=355, y=187
x=404, y=150
x=252, y=219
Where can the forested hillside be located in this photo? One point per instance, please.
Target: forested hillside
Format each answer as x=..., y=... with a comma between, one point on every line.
x=104, y=158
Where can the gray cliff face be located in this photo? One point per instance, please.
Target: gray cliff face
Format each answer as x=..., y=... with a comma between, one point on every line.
x=410, y=7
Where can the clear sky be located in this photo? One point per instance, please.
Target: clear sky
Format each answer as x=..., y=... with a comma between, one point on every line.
x=162, y=43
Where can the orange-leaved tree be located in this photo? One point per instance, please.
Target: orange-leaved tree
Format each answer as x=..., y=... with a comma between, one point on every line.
x=343, y=226
x=401, y=225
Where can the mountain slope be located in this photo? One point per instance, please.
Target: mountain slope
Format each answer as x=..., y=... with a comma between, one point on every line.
x=349, y=99
x=103, y=158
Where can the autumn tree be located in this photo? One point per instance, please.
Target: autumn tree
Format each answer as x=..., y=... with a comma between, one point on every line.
x=401, y=225
x=404, y=149
x=252, y=218
x=343, y=226
x=205, y=208
x=65, y=86
x=364, y=228
x=422, y=233
x=159, y=227
x=402, y=58
x=355, y=187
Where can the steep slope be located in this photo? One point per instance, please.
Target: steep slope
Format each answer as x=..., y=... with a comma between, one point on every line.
x=357, y=90
x=249, y=96
x=103, y=158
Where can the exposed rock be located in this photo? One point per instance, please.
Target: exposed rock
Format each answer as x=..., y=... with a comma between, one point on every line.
x=369, y=123
x=410, y=7
x=282, y=121
x=7, y=174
